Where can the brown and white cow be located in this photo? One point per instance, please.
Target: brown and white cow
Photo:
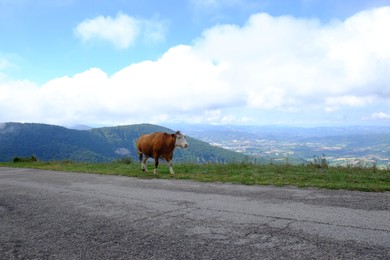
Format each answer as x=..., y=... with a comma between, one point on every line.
x=159, y=145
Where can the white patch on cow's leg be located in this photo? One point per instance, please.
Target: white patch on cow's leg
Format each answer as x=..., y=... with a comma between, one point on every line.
x=170, y=167
x=156, y=165
x=143, y=164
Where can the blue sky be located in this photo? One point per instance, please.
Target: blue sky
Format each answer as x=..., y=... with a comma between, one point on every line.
x=99, y=62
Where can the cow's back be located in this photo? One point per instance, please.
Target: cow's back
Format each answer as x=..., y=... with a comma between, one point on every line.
x=149, y=144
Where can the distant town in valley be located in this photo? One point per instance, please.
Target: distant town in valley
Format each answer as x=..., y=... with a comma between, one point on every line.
x=358, y=146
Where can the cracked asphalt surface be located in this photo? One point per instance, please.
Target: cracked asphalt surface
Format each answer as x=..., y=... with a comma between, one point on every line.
x=62, y=215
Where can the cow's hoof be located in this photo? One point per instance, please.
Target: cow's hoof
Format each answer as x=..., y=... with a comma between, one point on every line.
x=155, y=172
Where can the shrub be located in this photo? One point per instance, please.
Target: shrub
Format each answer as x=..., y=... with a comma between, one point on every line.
x=25, y=159
x=125, y=160
x=320, y=162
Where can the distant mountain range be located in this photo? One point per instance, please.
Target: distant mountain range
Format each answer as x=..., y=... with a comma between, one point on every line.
x=356, y=145
x=50, y=142
x=349, y=145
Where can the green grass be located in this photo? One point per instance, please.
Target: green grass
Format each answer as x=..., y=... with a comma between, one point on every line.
x=363, y=179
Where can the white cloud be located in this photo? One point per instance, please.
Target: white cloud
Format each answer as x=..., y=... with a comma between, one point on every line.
x=3, y=63
x=380, y=116
x=121, y=31
x=267, y=98
x=154, y=30
x=335, y=103
x=305, y=59
x=19, y=101
x=179, y=83
x=268, y=70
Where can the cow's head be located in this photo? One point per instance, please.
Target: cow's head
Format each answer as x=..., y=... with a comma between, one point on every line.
x=180, y=140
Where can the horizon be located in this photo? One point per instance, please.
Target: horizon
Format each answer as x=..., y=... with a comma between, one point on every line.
x=292, y=63
x=175, y=126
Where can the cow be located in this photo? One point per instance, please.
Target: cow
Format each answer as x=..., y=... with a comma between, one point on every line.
x=159, y=145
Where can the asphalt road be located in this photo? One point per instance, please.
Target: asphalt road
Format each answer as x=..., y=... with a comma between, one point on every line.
x=61, y=215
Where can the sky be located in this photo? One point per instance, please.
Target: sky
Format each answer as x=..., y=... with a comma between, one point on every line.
x=227, y=62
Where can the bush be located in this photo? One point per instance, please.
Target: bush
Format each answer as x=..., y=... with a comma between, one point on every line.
x=125, y=160
x=320, y=162
x=25, y=159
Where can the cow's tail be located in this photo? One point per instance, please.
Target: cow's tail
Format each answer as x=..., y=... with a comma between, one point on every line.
x=137, y=145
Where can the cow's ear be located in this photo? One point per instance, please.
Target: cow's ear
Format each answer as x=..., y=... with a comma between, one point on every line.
x=173, y=135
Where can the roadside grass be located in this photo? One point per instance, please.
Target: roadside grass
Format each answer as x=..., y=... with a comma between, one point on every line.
x=349, y=178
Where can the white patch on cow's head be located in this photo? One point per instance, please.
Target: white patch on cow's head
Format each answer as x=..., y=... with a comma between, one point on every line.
x=181, y=140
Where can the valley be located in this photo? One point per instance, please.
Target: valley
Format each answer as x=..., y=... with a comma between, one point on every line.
x=345, y=146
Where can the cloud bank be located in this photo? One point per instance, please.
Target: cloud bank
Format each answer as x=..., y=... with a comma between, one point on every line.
x=268, y=70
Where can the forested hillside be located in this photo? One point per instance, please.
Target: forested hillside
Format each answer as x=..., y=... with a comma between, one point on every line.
x=49, y=142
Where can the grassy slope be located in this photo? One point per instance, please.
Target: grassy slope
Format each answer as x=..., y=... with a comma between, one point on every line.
x=366, y=179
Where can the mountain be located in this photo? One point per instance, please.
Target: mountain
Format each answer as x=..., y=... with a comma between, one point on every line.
x=347, y=145
x=50, y=142
x=360, y=145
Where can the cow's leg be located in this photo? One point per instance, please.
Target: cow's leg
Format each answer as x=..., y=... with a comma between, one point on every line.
x=155, y=164
x=143, y=164
x=170, y=162
x=140, y=155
